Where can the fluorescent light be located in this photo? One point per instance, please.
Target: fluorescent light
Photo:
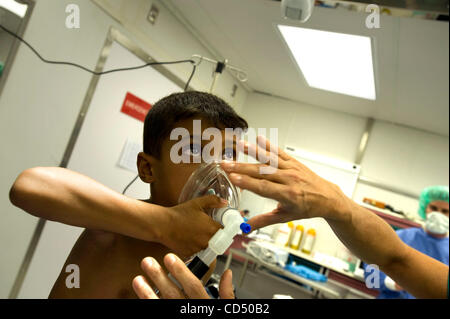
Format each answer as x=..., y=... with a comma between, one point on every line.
x=15, y=7
x=333, y=61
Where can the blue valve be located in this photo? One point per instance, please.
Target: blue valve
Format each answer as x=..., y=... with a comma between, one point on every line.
x=246, y=228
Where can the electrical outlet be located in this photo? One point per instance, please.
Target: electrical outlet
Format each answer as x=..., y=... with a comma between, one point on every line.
x=153, y=14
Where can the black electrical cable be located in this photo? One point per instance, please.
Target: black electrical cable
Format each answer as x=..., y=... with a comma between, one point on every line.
x=129, y=184
x=194, y=67
x=95, y=72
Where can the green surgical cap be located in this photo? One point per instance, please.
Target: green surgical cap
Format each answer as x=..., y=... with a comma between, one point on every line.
x=430, y=194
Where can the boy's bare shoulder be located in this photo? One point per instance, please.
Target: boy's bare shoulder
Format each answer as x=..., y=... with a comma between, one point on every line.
x=101, y=237
x=108, y=263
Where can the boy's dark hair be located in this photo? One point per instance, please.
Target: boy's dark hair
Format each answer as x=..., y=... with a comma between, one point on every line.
x=162, y=117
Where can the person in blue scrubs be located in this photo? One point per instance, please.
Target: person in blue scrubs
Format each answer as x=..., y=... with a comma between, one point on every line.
x=431, y=240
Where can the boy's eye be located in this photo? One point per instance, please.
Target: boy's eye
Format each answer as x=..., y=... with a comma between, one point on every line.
x=194, y=150
x=228, y=154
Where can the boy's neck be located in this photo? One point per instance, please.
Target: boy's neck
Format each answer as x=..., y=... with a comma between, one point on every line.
x=158, y=201
x=159, y=197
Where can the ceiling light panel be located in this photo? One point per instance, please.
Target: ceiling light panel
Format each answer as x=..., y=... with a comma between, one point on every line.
x=331, y=61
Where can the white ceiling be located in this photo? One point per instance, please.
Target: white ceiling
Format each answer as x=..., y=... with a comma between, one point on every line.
x=411, y=58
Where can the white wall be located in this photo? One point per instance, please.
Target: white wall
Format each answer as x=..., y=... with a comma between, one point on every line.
x=40, y=102
x=406, y=158
x=311, y=128
x=409, y=159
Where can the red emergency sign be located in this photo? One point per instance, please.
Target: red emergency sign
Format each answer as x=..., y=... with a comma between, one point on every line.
x=135, y=107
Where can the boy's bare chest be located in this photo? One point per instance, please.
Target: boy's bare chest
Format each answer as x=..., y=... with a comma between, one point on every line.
x=107, y=268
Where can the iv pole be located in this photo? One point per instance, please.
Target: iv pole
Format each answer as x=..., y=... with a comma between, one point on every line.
x=220, y=66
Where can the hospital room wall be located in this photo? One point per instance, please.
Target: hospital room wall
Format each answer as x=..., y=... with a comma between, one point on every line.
x=406, y=158
x=40, y=103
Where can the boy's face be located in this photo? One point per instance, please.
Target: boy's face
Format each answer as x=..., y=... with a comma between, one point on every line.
x=167, y=178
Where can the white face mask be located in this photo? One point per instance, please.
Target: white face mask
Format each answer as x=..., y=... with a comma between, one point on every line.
x=437, y=223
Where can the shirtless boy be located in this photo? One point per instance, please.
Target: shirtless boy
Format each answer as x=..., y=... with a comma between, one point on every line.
x=121, y=231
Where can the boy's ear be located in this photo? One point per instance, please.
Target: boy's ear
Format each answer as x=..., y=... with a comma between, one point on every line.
x=145, y=165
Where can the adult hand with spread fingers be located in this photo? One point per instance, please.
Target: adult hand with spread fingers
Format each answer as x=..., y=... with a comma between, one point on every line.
x=303, y=194
x=299, y=191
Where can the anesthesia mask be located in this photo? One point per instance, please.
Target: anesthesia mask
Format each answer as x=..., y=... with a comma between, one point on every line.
x=437, y=223
x=210, y=179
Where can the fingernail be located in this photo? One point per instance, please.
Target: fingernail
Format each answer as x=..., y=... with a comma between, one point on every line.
x=171, y=258
x=149, y=261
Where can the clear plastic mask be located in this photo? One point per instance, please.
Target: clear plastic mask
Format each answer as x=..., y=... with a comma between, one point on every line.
x=210, y=179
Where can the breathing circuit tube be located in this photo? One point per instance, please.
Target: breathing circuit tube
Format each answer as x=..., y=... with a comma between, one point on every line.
x=233, y=224
x=210, y=179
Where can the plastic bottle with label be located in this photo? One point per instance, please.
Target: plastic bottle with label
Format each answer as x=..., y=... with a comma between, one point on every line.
x=283, y=234
x=310, y=239
x=297, y=237
x=291, y=233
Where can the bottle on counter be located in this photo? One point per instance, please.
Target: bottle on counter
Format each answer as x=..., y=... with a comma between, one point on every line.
x=310, y=239
x=291, y=233
x=284, y=234
x=297, y=237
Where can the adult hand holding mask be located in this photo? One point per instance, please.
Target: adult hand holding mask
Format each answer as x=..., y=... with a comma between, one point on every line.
x=300, y=192
x=303, y=194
